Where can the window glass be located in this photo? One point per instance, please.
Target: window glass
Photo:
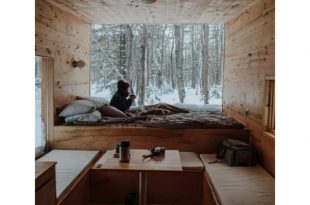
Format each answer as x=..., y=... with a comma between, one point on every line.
x=40, y=105
x=163, y=63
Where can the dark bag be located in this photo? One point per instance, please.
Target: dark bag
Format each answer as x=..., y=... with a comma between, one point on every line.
x=237, y=153
x=132, y=199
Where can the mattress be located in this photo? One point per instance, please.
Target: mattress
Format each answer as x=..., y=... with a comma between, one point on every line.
x=240, y=185
x=70, y=163
x=191, y=120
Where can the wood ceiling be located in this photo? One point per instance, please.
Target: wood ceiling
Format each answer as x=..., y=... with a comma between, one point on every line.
x=162, y=11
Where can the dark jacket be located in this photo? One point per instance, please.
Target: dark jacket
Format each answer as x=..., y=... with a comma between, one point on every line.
x=120, y=102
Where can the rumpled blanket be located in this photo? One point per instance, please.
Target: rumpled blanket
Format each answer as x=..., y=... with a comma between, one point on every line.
x=189, y=120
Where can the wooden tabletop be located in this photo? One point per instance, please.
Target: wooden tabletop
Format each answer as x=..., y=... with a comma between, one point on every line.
x=169, y=162
x=42, y=167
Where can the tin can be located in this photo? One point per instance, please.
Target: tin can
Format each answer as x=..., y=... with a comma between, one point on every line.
x=124, y=151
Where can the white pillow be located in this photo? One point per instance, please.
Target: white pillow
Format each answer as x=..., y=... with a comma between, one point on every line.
x=78, y=107
x=87, y=117
x=97, y=100
x=111, y=111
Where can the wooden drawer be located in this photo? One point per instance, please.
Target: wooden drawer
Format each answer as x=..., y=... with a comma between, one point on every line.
x=45, y=195
x=45, y=185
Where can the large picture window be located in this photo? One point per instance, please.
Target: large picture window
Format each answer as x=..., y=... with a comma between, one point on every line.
x=163, y=63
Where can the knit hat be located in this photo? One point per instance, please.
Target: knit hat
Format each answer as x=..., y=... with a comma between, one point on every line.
x=122, y=85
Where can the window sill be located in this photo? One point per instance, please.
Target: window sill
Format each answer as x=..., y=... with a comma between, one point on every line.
x=39, y=152
x=269, y=135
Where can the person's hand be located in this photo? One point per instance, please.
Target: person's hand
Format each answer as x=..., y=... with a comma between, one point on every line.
x=132, y=97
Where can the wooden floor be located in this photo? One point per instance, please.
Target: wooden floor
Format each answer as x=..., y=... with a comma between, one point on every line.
x=123, y=204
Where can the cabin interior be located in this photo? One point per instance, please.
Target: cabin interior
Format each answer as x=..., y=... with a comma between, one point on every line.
x=69, y=170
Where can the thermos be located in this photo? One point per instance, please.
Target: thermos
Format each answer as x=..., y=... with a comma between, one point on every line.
x=124, y=149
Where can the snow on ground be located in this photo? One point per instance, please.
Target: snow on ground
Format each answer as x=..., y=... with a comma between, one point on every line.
x=39, y=125
x=106, y=94
x=38, y=131
x=204, y=107
x=193, y=99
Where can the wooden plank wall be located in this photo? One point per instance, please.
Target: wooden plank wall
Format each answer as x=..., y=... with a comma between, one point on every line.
x=249, y=59
x=62, y=36
x=160, y=12
x=181, y=188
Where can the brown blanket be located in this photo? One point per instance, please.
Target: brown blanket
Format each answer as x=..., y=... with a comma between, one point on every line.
x=193, y=120
x=189, y=120
x=157, y=109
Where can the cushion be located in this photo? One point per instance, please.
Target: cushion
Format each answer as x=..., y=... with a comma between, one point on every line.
x=240, y=185
x=87, y=117
x=111, y=111
x=191, y=161
x=78, y=107
x=70, y=163
x=99, y=101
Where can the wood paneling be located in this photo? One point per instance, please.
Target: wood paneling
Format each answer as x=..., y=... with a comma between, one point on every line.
x=112, y=187
x=79, y=195
x=62, y=36
x=162, y=11
x=104, y=138
x=209, y=197
x=179, y=188
x=249, y=60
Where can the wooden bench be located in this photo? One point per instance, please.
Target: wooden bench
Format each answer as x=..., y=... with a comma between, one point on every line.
x=226, y=185
x=72, y=184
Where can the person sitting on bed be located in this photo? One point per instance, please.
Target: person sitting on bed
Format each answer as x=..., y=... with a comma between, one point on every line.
x=120, y=98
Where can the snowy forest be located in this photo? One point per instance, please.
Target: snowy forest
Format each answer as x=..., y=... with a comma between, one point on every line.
x=163, y=63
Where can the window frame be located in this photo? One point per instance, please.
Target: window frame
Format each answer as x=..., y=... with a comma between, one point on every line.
x=269, y=106
x=47, y=104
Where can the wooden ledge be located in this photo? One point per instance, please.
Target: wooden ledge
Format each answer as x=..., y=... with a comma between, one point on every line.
x=105, y=138
x=269, y=135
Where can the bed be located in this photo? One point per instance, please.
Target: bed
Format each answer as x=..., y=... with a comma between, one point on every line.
x=195, y=131
x=190, y=120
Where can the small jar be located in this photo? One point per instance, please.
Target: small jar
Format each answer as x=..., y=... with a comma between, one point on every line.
x=116, y=153
x=124, y=149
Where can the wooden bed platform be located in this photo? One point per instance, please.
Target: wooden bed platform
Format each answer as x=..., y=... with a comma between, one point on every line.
x=106, y=137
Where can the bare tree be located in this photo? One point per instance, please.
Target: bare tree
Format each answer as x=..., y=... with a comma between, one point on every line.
x=143, y=63
x=194, y=69
x=122, y=53
x=129, y=40
x=179, y=61
x=173, y=64
x=161, y=69
x=205, y=61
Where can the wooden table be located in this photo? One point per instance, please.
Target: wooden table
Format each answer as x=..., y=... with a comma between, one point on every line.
x=170, y=162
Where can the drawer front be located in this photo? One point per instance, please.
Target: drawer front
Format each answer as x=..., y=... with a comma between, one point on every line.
x=46, y=194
